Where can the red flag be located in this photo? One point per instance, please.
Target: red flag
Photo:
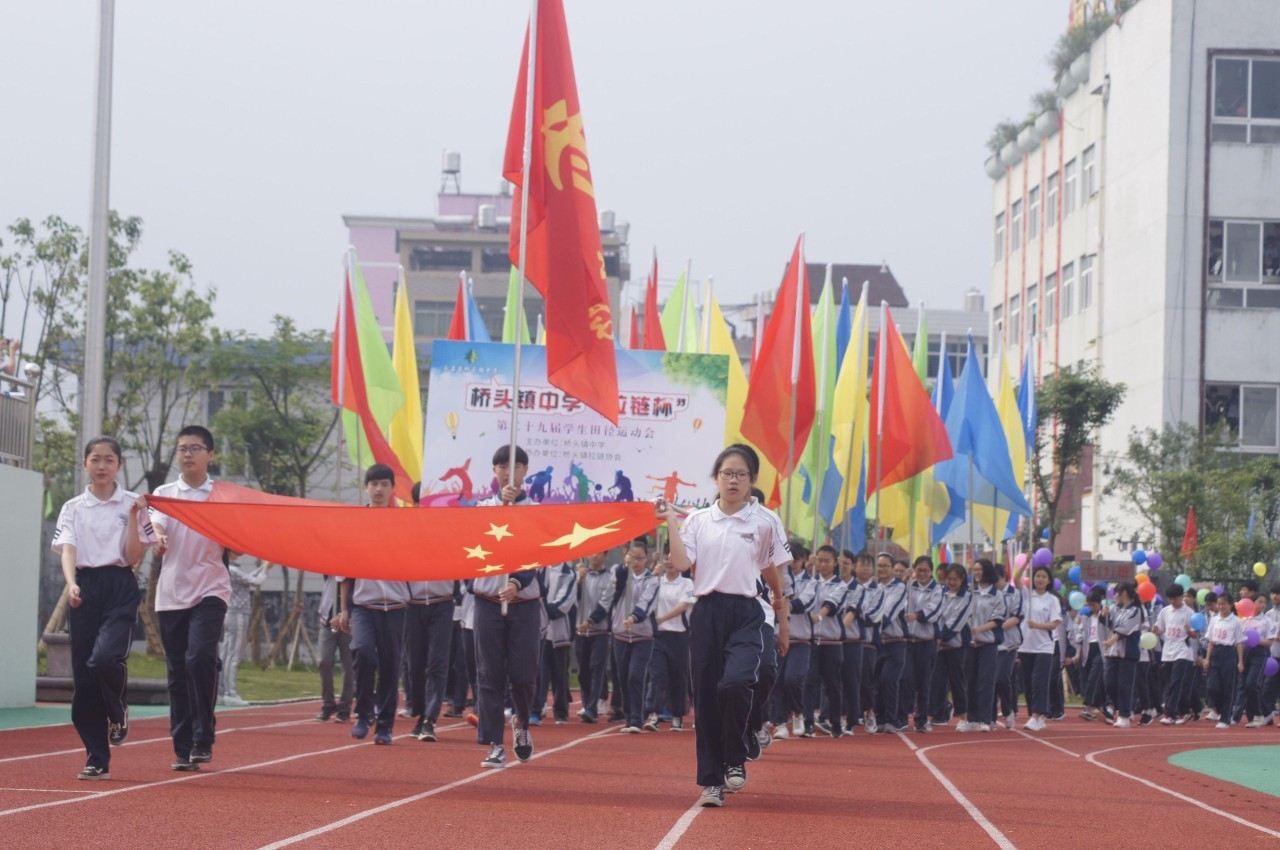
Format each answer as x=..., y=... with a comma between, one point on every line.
x=633, y=337
x=784, y=368
x=458, y=325
x=1191, y=538
x=653, y=338
x=912, y=437
x=564, y=259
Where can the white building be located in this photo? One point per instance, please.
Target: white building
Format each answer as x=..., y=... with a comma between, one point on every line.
x=1138, y=229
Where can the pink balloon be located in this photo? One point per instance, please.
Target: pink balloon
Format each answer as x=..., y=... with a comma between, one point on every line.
x=1020, y=561
x=1245, y=608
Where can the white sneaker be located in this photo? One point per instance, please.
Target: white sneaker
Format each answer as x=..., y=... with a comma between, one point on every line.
x=1011, y=722
x=1213, y=715
x=781, y=732
x=1166, y=721
x=964, y=726
x=1255, y=723
x=982, y=727
x=797, y=725
x=1182, y=720
x=1222, y=725
x=1123, y=723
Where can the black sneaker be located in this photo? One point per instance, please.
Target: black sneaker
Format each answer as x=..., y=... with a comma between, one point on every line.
x=453, y=712
x=344, y=716
x=822, y=726
x=753, y=746
x=588, y=717
x=616, y=714
x=808, y=731
x=1143, y=720
x=735, y=778
x=90, y=772
x=427, y=732
x=326, y=714
x=677, y=724
x=712, y=796
x=360, y=729
x=417, y=729
x=202, y=755
x=184, y=764
x=1109, y=715
x=523, y=744
x=117, y=732
x=497, y=757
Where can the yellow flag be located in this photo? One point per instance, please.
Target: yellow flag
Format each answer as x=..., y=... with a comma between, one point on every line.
x=849, y=409
x=406, y=427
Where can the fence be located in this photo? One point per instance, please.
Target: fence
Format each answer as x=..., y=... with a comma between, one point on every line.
x=17, y=420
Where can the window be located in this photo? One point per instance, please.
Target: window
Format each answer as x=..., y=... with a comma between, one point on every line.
x=1086, y=282
x=216, y=400
x=495, y=260
x=1249, y=412
x=428, y=257
x=1015, y=317
x=432, y=318
x=1050, y=299
x=1070, y=187
x=1246, y=101
x=1033, y=312
x=1015, y=227
x=997, y=320
x=1067, y=291
x=999, y=237
x=1033, y=214
x=1242, y=263
x=1051, y=201
x=1089, y=163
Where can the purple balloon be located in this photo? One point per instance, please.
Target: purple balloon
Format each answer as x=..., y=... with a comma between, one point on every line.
x=1159, y=600
x=1154, y=561
x=1252, y=638
x=1057, y=584
x=1218, y=589
x=1111, y=592
x=1042, y=558
x=1271, y=667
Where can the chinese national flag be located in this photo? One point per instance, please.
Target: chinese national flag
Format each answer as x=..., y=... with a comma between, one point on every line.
x=653, y=338
x=1190, y=539
x=564, y=259
x=776, y=374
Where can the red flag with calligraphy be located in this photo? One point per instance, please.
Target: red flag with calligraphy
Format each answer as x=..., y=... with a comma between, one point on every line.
x=326, y=537
x=564, y=258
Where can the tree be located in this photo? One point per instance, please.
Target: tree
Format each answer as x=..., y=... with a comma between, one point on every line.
x=1070, y=408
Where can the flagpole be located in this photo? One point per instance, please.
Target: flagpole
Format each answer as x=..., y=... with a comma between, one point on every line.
x=684, y=303
x=911, y=507
x=937, y=408
x=823, y=438
x=342, y=361
x=706, y=318
x=795, y=379
x=882, y=349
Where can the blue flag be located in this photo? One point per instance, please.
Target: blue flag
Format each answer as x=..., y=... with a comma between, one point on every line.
x=844, y=326
x=1027, y=402
x=943, y=393
x=475, y=322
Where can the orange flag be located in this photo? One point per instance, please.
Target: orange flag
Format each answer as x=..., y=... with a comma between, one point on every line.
x=907, y=433
x=653, y=338
x=1191, y=537
x=783, y=367
x=564, y=258
x=326, y=537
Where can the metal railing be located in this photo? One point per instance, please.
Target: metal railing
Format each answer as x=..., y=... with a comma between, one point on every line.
x=17, y=420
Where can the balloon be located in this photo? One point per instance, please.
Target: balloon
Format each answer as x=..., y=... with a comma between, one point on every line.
x=1245, y=608
x=1159, y=599
x=1146, y=591
x=1217, y=588
x=1042, y=558
x=1148, y=640
x=1201, y=595
x=1197, y=621
x=1154, y=561
x=1139, y=557
x=1260, y=569
x=1074, y=573
x=1142, y=569
x=1111, y=591
x=1141, y=579
x=1020, y=560
x=1026, y=581
x=1252, y=638
x=1044, y=534
x=1271, y=667
x=1076, y=600
x=1185, y=580
x=1057, y=585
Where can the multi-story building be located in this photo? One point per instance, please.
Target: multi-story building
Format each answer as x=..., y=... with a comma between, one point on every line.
x=1137, y=230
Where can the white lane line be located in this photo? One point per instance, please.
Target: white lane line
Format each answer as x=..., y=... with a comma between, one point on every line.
x=1092, y=758
x=907, y=740
x=681, y=826
x=1001, y=840
x=45, y=791
x=404, y=801
x=1047, y=743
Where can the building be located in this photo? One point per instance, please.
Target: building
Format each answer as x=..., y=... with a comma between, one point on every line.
x=470, y=233
x=1137, y=229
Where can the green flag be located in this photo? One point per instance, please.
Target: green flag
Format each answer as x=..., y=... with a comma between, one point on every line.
x=817, y=452
x=681, y=303
x=509, y=311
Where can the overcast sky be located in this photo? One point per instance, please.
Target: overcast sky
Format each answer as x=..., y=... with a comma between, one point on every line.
x=720, y=129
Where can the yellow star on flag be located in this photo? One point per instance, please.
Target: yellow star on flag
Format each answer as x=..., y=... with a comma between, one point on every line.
x=477, y=552
x=499, y=531
x=490, y=568
x=535, y=565
x=581, y=535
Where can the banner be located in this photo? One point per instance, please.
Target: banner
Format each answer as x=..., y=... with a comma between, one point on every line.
x=671, y=412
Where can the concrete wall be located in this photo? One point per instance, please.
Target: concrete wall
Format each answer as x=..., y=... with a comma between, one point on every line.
x=21, y=499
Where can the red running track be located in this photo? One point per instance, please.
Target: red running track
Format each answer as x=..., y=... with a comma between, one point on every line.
x=280, y=779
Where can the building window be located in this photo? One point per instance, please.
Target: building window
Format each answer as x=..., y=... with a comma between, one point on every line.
x=495, y=260
x=1070, y=187
x=1086, y=282
x=1067, y=291
x=1050, y=298
x=1015, y=318
x=1249, y=412
x=432, y=318
x=216, y=400
x=1051, y=201
x=1089, y=160
x=1033, y=214
x=999, y=237
x=1246, y=101
x=434, y=257
x=997, y=320
x=1015, y=227
x=1242, y=263
x=1033, y=312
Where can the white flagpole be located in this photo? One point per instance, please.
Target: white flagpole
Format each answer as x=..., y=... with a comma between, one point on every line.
x=706, y=318
x=881, y=349
x=795, y=380
x=684, y=303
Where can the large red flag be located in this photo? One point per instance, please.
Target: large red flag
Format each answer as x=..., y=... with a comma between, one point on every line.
x=784, y=368
x=653, y=338
x=1191, y=538
x=458, y=324
x=564, y=258
x=910, y=437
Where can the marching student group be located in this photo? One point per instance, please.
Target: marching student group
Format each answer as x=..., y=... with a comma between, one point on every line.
x=768, y=640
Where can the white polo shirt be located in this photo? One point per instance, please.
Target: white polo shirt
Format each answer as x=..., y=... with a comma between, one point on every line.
x=1042, y=608
x=192, y=567
x=96, y=528
x=730, y=550
x=670, y=594
x=1226, y=631
x=1175, y=624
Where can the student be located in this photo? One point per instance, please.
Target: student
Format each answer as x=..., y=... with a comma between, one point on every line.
x=626, y=604
x=97, y=537
x=191, y=603
x=893, y=649
x=374, y=613
x=333, y=640
x=953, y=642
x=758, y=737
x=1044, y=616
x=594, y=643
x=1248, y=590
x=1124, y=627
x=1177, y=656
x=1089, y=638
x=985, y=627
x=860, y=573
x=428, y=635
x=1255, y=662
x=828, y=648
x=1010, y=644
x=728, y=546
x=869, y=616
x=801, y=594
x=1225, y=658
x=669, y=668
x=559, y=598
x=237, y=628
x=1271, y=684
x=923, y=610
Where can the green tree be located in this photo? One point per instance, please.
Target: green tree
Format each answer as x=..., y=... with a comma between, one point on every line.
x=1070, y=408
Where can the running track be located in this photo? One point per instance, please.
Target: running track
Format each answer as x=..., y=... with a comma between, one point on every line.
x=281, y=779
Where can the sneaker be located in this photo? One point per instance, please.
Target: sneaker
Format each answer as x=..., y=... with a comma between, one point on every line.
x=360, y=730
x=562, y=721
x=964, y=726
x=473, y=719
x=588, y=717
x=497, y=757
x=753, y=746
x=616, y=714
x=651, y=723
x=405, y=713
x=1222, y=725
x=1109, y=715
x=982, y=727
x=1061, y=715
x=506, y=713
x=735, y=778
x=1212, y=715
x=924, y=727
x=870, y=724
x=1182, y=720
x=382, y=738
x=90, y=772
x=202, y=755
x=117, y=732
x=1011, y=722
x=426, y=732
x=889, y=727
x=326, y=714
x=344, y=716
x=822, y=726
x=1255, y=723
x=234, y=701
x=766, y=737
x=453, y=711
x=1122, y=723
x=417, y=728
x=797, y=726
x=523, y=744
x=1145, y=719
x=677, y=724
x=808, y=732
x=535, y=720
x=782, y=732
x=1088, y=714
x=712, y=797
x=184, y=764
x=664, y=717
x=630, y=730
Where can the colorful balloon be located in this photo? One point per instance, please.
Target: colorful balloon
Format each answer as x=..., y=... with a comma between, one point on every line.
x=1197, y=621
x=1155, y=561
x=1260, y=569
x=1146, y=591
x=1201, y=595
x=1142, y=578
x=1148, y=640
x=1271, y=667
x=1074, y=573
x=1245, y=608
x=1185, y=580
x=1139, y=557
x=1057, y=585
x=1252, y=638
x=1020, y=560
x=1042, y=558
x=1076, y=600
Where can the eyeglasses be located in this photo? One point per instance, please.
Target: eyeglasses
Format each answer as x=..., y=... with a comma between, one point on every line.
x=733, y=475
x=191, y=450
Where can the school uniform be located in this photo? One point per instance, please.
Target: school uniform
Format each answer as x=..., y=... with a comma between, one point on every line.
x=593, y=646
x=980, y=665
x=630, y=595
x=1255, y=660
x=1007, y=657
x=1224, y=634
x=869, y=625
x=428, y=636
x=828, y=653
x=1121, y=667
x=925, y=601
x=236, y=628
x=801, y=592
x=559, y=598
x=191, y=603
x=768, y=675
x=726, y=629
x=333, y=641
x=949, y=670
x=669, y=668
x=378, y=610
x=893, y=654
x=459, y=682
x=507, y=650
x=1039, y=649
x=101, y=626
x=1177, y=656
x=1091, y=659
x=1271, y=684
x=851, y=663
